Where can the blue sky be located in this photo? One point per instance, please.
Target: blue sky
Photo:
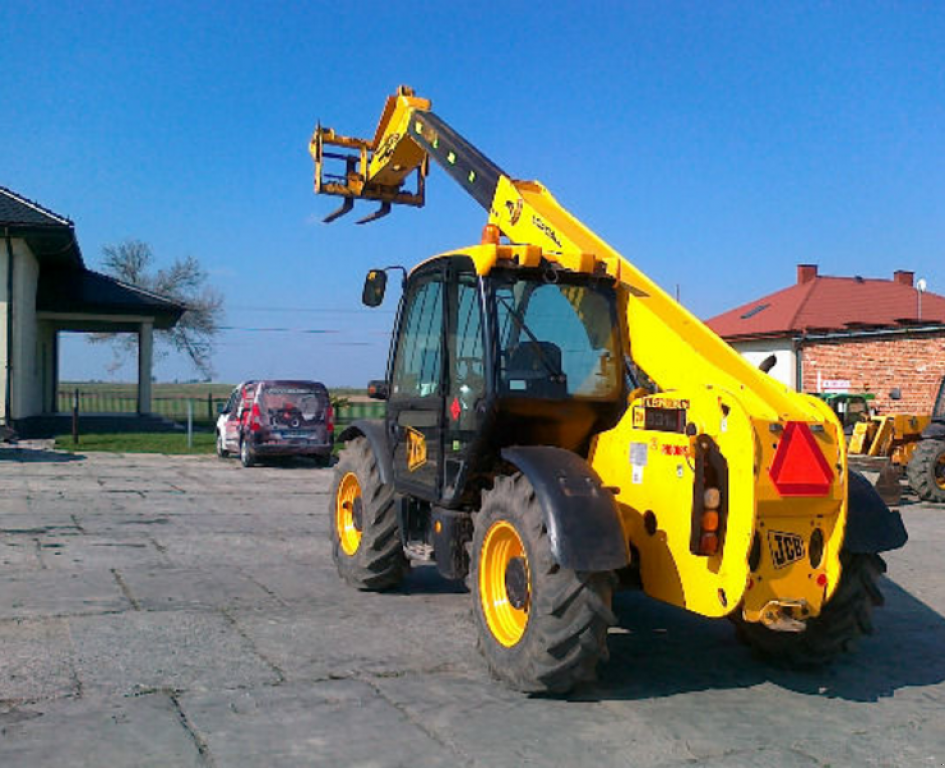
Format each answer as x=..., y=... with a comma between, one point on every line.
x=716, y=145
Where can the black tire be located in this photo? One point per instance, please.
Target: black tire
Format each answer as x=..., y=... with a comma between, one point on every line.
x=926, y=470
x=222, y=452
x=377, y=562
x=840, y=624
x=247, y=454
x=566, y=613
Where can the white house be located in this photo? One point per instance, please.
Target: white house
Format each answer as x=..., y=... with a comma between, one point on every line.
x=46, y=290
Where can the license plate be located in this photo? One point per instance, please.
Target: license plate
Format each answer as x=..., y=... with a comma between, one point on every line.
x=786, y=548
x=294, y=436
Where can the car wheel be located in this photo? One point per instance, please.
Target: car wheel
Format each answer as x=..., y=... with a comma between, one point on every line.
x=247, y=454
x=222, y=452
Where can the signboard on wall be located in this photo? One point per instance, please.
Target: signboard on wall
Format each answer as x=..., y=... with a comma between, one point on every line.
x=832, y=385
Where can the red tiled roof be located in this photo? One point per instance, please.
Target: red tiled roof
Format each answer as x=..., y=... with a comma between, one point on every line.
x=830, y=304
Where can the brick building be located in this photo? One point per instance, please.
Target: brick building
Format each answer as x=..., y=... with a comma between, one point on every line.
x=847, y=334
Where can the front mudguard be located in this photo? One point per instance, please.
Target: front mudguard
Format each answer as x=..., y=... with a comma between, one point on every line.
x=872, y=527
x=581, y=515
x=376, y=433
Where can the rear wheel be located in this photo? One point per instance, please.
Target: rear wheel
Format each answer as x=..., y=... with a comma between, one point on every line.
x=926, y=470
x=247, y=454
x=841, y=622
x=365, y=537
x=542, y=628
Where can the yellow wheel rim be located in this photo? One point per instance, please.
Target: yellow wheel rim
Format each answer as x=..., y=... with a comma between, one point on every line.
x=502, y=549
x=348, y=513
x=940, y=471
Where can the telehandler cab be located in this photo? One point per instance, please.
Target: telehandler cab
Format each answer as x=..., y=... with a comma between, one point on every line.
x=558, y=426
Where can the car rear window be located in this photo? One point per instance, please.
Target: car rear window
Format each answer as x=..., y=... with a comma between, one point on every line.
x=293, y=406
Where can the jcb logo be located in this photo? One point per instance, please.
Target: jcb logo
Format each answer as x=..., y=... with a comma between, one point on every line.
x=416, y=449
x=384, y=151
x=786, y=548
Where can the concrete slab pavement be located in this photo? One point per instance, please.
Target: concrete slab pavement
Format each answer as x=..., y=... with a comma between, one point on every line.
x=185, y=611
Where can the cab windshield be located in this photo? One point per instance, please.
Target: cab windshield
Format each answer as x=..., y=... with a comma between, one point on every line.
x=557, y=337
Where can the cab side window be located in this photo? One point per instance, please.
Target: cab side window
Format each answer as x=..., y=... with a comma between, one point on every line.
x=466, y=351
x=418, y=360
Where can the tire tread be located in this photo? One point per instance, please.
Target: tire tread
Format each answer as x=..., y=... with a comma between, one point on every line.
x=379, y=562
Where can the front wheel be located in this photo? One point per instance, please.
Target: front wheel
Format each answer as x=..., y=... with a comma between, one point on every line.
x=841, y=622
x=365, y=535
x=926, y=470
x=222, y=452
x=542, y=628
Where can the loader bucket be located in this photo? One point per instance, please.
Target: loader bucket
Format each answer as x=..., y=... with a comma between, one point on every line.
x=882, y=474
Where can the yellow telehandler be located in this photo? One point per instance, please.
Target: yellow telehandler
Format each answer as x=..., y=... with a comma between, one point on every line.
x=887, y=447
x=557, y=426
x=881, y=448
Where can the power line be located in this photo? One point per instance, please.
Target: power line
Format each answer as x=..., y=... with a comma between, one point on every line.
x=277, y=330
x=247, y=308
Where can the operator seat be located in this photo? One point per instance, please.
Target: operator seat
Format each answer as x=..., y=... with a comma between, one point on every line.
x=534, y=368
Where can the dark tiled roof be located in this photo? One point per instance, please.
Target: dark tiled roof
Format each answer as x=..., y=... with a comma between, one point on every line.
x=65, y=285
x=825, y=304
x=16, y=210
x=51, y=237
x=88, y=292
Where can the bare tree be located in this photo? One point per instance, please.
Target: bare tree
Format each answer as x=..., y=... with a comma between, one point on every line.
x=185, y=281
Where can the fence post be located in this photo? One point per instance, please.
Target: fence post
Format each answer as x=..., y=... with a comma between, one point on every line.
x=75, y=417
x=190, y=423
x=210, y=406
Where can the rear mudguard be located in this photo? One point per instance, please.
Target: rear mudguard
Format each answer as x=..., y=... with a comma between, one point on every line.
x=581, y=515
x=871, y=526
x=376, y=433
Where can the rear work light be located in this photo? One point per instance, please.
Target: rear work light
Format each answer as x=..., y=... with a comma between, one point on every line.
x=709, y=499
x=799, y=467
x=709, y=540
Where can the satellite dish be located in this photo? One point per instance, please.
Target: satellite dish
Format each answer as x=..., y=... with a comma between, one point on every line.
x=921, y=285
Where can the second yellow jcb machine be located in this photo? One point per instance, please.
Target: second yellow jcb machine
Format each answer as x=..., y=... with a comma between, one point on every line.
x=557, y=427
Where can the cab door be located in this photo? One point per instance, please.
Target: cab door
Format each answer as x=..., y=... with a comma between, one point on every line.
x=415, y=405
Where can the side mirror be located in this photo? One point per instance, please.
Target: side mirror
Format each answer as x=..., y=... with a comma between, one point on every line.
x=378, y=390
x=374, y=286
x=221, y=408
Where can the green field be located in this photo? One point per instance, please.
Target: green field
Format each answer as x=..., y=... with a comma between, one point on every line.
x=133, y=442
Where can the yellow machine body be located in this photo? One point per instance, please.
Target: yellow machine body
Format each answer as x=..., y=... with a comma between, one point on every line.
x=892, y=435
x=764, y=566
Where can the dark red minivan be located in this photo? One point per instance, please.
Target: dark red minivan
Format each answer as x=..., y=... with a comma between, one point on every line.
x=277, y=418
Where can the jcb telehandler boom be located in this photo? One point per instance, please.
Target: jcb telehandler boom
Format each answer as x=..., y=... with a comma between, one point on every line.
x=557, y=424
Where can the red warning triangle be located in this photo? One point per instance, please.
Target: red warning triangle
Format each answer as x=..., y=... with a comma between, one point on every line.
x=799, y=467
